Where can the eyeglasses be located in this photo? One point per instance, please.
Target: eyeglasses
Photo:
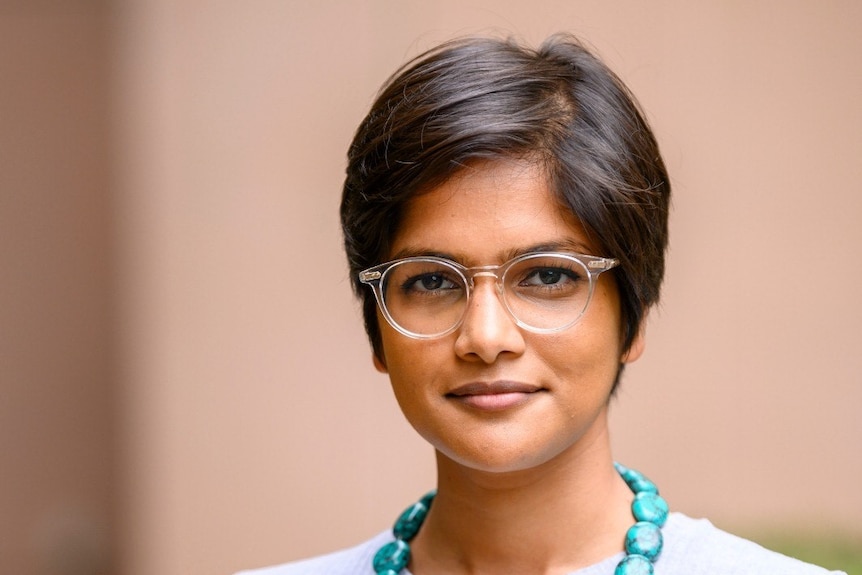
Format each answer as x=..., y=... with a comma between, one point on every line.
x=426, y=297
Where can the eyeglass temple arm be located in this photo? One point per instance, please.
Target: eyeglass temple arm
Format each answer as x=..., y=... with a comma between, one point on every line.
x=369, y=276
x=602, y=264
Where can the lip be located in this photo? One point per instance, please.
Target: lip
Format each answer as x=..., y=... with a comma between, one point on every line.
x=494, y=396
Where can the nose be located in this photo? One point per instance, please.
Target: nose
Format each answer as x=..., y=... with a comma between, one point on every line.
x=487, y=330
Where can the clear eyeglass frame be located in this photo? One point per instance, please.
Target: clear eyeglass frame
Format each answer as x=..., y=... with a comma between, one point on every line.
x=375, y=277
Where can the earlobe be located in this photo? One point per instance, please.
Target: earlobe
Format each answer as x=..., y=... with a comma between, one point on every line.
x=379, y=363
x=638, y=345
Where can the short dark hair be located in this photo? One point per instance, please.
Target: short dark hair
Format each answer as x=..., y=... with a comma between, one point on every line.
x=478, y=99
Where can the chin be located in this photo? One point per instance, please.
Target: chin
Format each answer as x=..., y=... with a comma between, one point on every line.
x=505, y=460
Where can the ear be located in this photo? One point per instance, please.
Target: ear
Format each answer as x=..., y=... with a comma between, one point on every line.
x=638, y=343
x=379, y=363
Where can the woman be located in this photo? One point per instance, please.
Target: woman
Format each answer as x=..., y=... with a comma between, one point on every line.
x=505, y=221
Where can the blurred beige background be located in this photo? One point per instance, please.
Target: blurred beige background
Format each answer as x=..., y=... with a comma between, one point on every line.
x=185, y=388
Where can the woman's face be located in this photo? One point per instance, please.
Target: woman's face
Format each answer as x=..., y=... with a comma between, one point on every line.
x=492, y=396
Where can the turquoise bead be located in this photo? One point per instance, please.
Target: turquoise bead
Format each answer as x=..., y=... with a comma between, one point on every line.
x=627, y=474
x=410, y=521
x=636, y=481
x=388, y=572
x=643, y=485
x=393, y=556
x=644, y=538
x=428, y=498
x=634, y=565
x=648, y=506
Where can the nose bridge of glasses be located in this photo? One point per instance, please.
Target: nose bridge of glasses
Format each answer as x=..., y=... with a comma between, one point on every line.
x=484, y=271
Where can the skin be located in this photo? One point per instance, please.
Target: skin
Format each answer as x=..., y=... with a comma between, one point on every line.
x=525, y=479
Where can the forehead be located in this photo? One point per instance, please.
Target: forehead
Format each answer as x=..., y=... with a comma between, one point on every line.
x=486, y=213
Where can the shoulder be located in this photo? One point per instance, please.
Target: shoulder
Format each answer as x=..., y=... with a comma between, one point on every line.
x=353, y=561
x=696, y=546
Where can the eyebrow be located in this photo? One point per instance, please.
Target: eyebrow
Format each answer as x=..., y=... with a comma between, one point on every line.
x=563, y=245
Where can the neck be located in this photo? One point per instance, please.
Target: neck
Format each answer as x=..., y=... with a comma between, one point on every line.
x=566, y=514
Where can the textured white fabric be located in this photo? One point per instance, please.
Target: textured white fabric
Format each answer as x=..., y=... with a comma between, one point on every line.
x=691, y=547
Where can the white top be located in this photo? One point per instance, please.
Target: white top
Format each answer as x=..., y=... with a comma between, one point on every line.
x=691, y=547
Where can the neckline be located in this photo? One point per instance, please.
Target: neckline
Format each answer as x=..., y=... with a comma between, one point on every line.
x=643, y=540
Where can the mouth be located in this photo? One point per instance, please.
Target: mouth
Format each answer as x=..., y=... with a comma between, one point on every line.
x=494, y=396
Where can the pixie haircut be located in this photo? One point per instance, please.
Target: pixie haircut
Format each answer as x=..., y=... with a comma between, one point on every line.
x=479, y=99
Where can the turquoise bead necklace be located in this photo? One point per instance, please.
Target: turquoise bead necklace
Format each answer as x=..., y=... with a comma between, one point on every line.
x=643, y=539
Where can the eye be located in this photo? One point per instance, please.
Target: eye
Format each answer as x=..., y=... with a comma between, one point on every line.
x=550, y=277
x=428, y=282
x=418, y=279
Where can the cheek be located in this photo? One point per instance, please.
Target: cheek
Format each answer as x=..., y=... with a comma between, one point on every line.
x=415, y=374
x=588, y=358
x=588, y=354
x=413, y=365
x=607, y=323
